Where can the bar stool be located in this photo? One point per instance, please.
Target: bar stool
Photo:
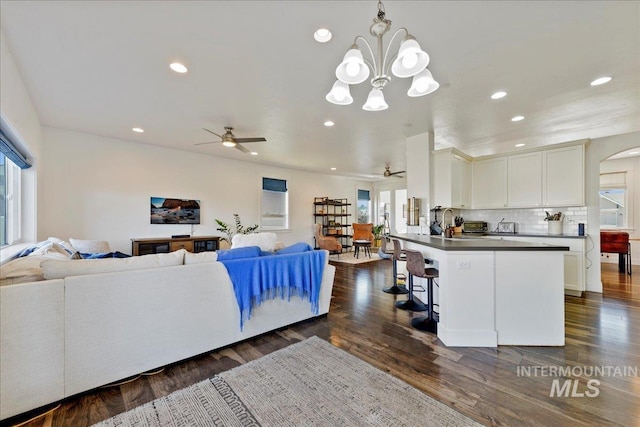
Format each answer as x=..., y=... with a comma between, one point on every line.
x=397, y=256
x=415, y=267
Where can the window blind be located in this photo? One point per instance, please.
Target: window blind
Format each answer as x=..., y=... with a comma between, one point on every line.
x=614, y=179
x=9, y=149
x=272, y=184
x=364, y=195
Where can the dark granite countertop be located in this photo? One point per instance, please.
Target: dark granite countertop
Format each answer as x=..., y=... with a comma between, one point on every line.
x=475, y=243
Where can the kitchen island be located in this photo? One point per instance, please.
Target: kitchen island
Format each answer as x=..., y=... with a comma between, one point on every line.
x=495, y=292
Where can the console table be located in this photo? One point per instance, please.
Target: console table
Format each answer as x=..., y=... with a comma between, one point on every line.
x=157, y=245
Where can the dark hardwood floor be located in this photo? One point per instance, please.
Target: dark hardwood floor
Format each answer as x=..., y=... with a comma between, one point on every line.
x=483, y=383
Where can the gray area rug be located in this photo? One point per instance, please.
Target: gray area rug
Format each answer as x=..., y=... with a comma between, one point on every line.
x=310, y=383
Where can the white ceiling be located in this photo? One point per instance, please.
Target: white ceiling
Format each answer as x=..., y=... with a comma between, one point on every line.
x=102, y=67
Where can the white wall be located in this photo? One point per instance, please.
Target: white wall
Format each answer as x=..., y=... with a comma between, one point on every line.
x=100, y=188
x=20, y=119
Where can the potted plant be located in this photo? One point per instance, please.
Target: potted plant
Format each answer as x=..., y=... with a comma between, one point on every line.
x=377, y=232
x=239, y=229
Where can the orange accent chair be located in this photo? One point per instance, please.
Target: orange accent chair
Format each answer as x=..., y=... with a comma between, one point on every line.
x=363, y=232
x=326, y=242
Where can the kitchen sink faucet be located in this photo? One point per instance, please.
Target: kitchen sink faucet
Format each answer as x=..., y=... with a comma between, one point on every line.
x=444, y=215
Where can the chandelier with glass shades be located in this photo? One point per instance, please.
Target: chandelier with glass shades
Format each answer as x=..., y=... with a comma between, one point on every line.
x=410, y=61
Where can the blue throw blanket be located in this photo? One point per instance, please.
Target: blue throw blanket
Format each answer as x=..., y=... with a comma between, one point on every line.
x=262, y=278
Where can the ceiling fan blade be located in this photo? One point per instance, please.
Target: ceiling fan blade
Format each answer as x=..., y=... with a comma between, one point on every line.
x=241, y=148
x=210, y=142
x=396, y=173
x=219, y=136
x=250, y=139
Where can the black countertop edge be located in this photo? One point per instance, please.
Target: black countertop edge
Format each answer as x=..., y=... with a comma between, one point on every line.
x=561, y=236
x=477, y=244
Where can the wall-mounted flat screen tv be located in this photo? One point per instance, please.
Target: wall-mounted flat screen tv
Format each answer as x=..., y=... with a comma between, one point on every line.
x=174, y=211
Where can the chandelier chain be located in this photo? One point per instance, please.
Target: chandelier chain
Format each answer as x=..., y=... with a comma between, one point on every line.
x=381, y=12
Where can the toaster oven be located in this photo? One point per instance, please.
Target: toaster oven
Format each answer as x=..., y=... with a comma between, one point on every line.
x=474, y=227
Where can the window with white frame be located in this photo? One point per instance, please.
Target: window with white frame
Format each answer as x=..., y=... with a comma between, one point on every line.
x=275, y=205
x=11, y=163
x=364, y=207
x=613, y=200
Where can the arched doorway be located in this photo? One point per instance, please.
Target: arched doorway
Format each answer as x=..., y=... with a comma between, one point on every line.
x=619, y=197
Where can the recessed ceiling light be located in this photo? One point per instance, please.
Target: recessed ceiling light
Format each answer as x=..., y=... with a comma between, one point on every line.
x=517, y=118
x=333, y=169
x=498, y=95
x=322, y=35
x=329, y=123
x=601, y=81
x=254, y=153
x=519, y=145
x=178, y=67
x=139, y=130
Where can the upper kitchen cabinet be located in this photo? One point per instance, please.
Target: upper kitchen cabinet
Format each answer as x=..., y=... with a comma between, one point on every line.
x=542, y=178
x=563, y=176
x=525, y=180
x=452, y=179
x=490, y=183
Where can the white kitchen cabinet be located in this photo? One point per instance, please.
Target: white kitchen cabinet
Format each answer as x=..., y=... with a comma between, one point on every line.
x=489, y=188
x=452, y=180
x=563, y=176
x=574, y=259
x=525, y=180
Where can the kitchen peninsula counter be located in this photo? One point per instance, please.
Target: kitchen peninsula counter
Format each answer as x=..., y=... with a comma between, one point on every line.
x=475, y=243
x=495, y=292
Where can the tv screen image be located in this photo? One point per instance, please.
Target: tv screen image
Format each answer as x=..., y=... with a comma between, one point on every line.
x=174, y=211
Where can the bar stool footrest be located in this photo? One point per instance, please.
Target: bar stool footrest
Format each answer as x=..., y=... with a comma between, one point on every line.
x=396, y=290
x=411, y=305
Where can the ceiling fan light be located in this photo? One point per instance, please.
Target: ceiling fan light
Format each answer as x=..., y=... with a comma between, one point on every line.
x=411, y=59
x=375, y=101
x=423, y=84
x=230, y=144
x=352, y=70
x=339, y=94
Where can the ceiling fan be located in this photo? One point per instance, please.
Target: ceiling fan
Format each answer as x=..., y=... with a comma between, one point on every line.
x=228, y=139
x=387, y=172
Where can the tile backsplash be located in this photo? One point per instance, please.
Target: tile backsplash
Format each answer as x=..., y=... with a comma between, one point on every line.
x=528, y=220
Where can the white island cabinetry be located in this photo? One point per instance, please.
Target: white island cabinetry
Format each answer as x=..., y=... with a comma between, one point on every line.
x=574, y=258
x=495, y=292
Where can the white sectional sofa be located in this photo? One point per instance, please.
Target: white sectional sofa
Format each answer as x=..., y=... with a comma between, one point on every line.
x=60, y=337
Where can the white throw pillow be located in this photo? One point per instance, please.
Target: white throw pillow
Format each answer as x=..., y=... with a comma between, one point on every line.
x=200, y=257
x=266, y=241
x=90, y=246
x=80, y=267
